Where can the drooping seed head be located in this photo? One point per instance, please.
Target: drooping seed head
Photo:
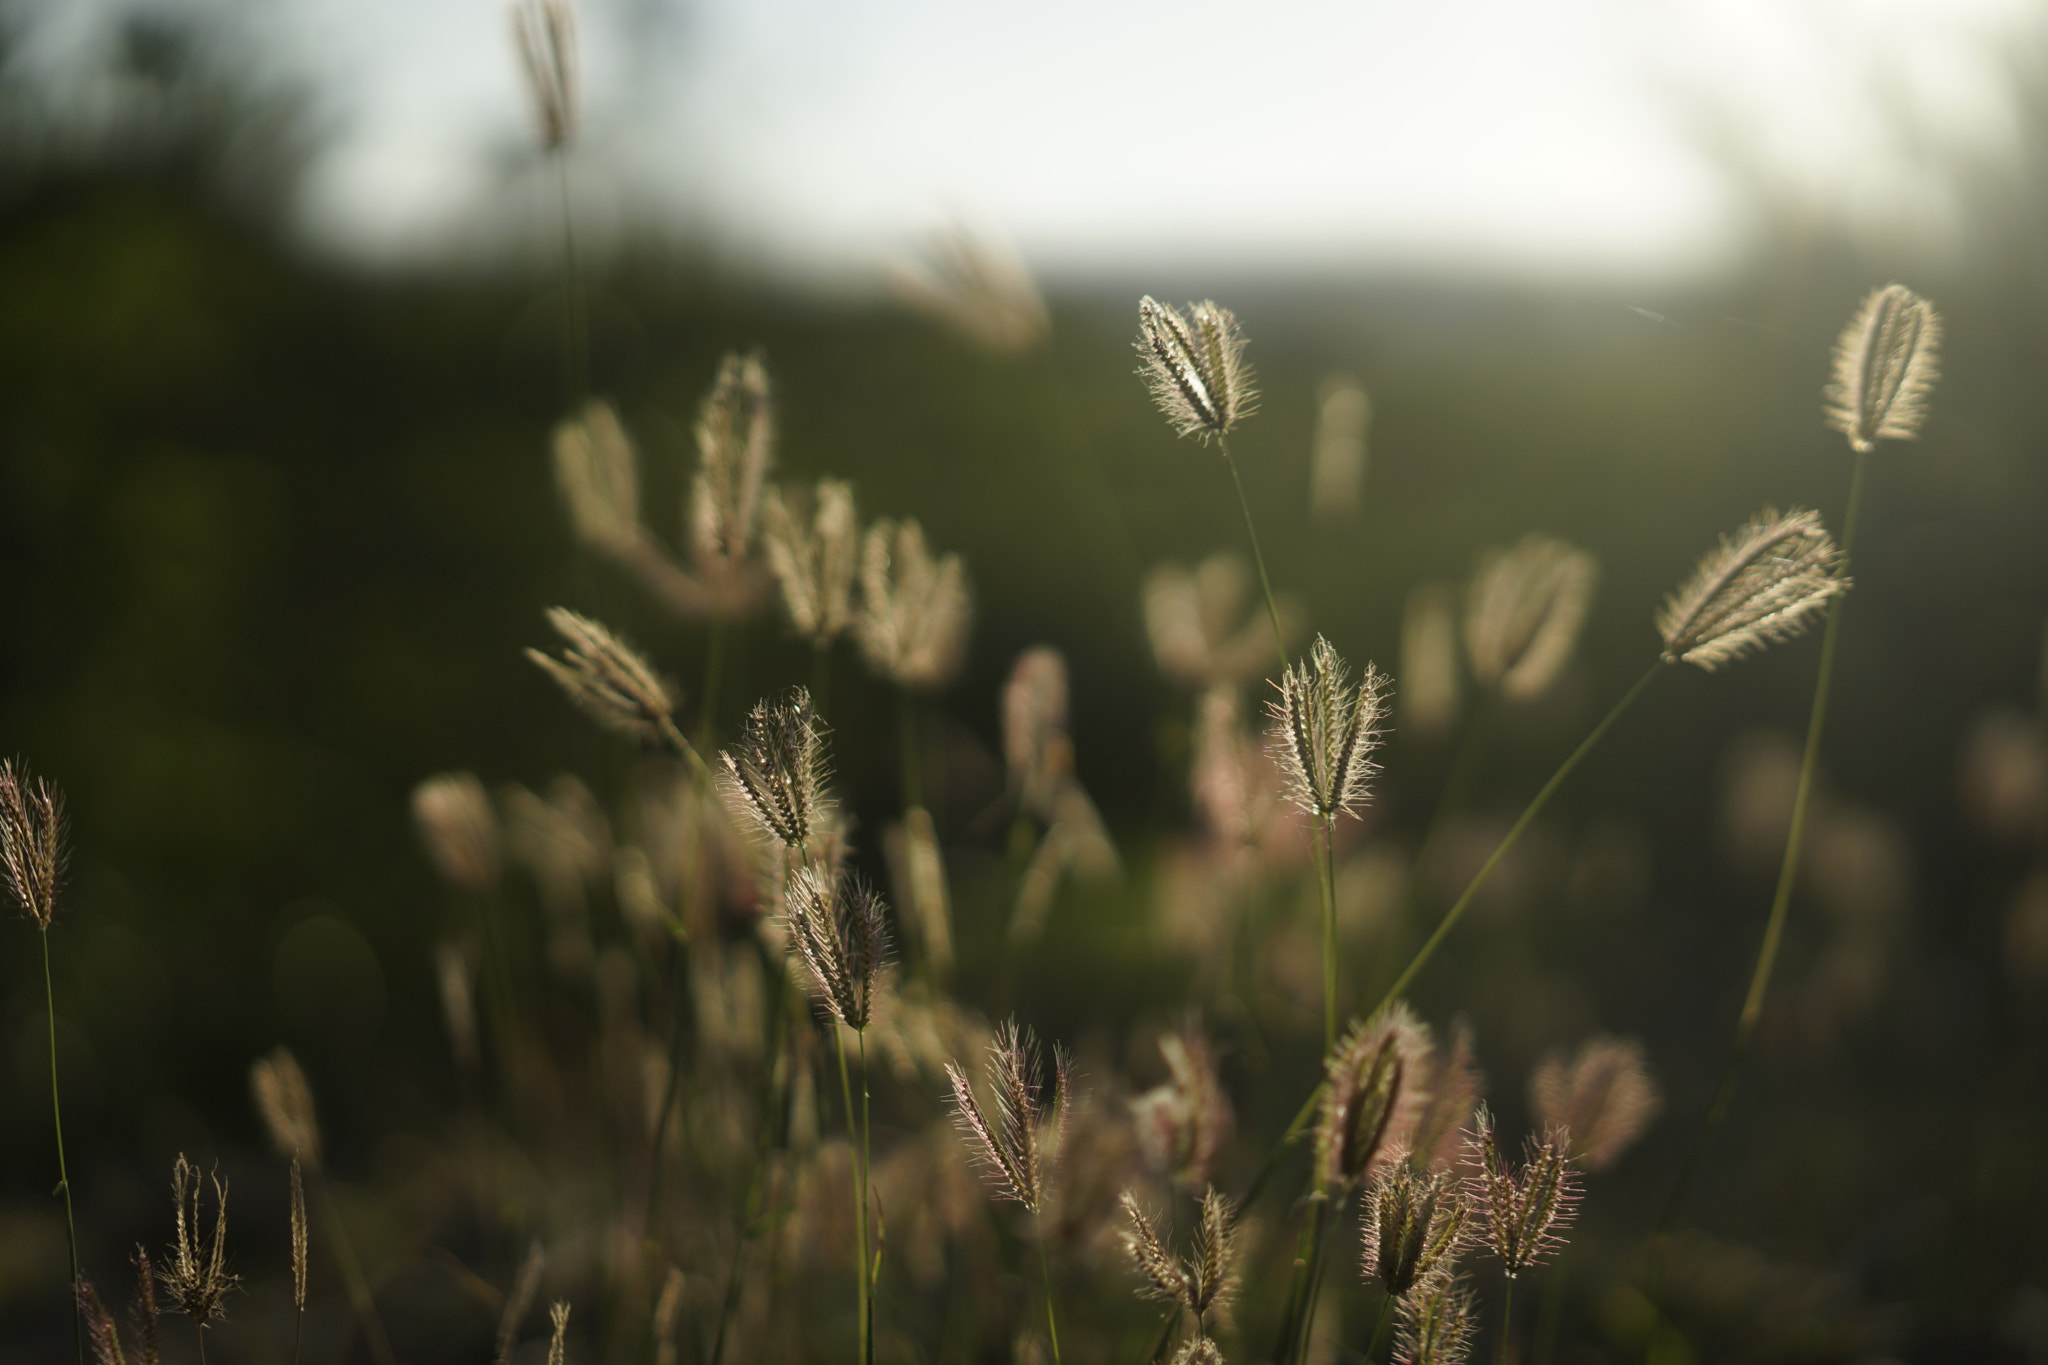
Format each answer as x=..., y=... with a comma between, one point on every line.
x=1324, y=731
x=1886, y=363
x=458, y=829
x=1417, y=1223
x=976, y=286
x=1523, y=611
x=838, y=926
x=32, y=851
x=197, y=1277
x=1183, y=1125
x=1372, y=1094
x=775, y=776
x=814, y=564
x=1453, y=1084
x=285, y=1103
x=915, y=610
x=545, y=33
x=1762, y=585
x=1194, y=365
x=606, y=679
x=598, y=478
x=1016, y=1141
x=1436, y=1324
x=1526, y=1211
x=1604, y=1097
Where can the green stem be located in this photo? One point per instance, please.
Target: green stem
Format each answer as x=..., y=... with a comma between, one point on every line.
x=871, y=1263
x=1158, y=1351
x=1258, y=558
x=199, y=1331
x=1529, y=814
x=358, y=1287
x=1781, y=899
x=1052, y=1325
x=1379, y=1328
x=63, y=1171
x=1294, y=1133
x=1315, y=1281
x=575, y=330
x=1326, y=873
x=1502, y=1354
x=821, y=676
x=860, y=1192
x=685, y=750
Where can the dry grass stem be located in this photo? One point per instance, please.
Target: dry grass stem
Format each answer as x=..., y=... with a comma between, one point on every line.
x=606, y=679
x=285, y=1103
x=1762, y=585
x=1605, y=1097
x=915, y=609
x=1325, y=731
x=1016, y=1141
x=1886, y=364
x=1194, y=365
x=32, y=851
x=1524, y=608
x=1526, y=1210
x=1372, y=1096
x=815, y=564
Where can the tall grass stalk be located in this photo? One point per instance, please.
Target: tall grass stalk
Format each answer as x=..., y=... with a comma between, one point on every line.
x=1258, y=556
x=1781, y=899
x=63, y=1172
x=1052, y=1322
x=857, y=1132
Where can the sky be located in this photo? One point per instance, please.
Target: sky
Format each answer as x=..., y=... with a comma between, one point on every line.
x=820, y=137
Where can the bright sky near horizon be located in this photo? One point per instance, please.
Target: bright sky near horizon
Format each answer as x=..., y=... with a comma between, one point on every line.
x=818, y=136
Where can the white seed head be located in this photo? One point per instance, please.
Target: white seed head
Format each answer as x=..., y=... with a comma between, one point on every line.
x=1324, y=732
x=1886, y=362
x=915, y=610
x=606, y=679
x=735, y=447
x=459, y=830
x=599, y=479
x=1523, y=611
x=1762, y=585
x=814, y=564
x=1194, y=365
x=1604, y=1096
x=977, y=286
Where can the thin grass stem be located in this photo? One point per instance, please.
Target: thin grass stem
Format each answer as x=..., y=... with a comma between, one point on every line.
x=1781, y=899
x=1052, y=1324
x=1326, y=873
x=1379, y=1328
x=63, y=1171
x=1258, y=556
x=1515, y=831
x=1503, y=1351
x=575, y=326
x=352, y=1278
x=860, y=1191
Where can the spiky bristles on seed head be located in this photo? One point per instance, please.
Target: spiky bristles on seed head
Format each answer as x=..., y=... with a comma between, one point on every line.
x=1762, y=585
x=1016, y=1141
x=1525, y=1211
x=837, y=924
x=32, y=851
x=1183, y=1125
x=915, y=610
x=1523, y=611
x=1372, y=1095
x=1199, y=1350
x=143, y=1312
x=301, y=1243
x=1203, y=1283
x=1604, y=1097
x=606, y=679
x=100, y=1330
x=459, y=830
x=774, y=777
x=1436, y=1324
x=558, y=1345
x=1194, y=365
x=735, y=447
x=1452, y=1084
x=1417, y=1224
x=814, y=564
x=1324, y=731
x=197, y=1277
x=285, y=1103
x=1886, y=362
x=545, y=32
x=598, y=477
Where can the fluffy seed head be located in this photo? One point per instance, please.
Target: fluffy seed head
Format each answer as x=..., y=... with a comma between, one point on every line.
x=1372, y=1094
x=977, y=287
x=606, y=679
x=1527, y=1210
x=1416, y=1225
x=1200, y=632
x=1194, y=365
x=545, y=33
x=1016, y=1141
x=1523, y=611
x=1183, y=1125
x=1325, y=730
x=197, y=1277
x=1206, y=1281
x=1604, y=1097
x=915, y=610
x=1436, y=1324
x=1762, y=585
x=1886, y=363
x=814, y=564
x=458, y=829
x=837, y=924
x=598, y=478
x=775, y=776
x=285, y=1102
x=735, y=446
x=32, y=852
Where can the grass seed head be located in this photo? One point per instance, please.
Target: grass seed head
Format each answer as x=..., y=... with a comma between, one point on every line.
x=977, y=287
x=915, y=610
x=1604, y=1097
x=1429, y=659
x=285, y=1102
x=775, y=777
x=1417, y=1223
x=1372, y=1095
x=1436, y=1324
x=459, y=830
x=1523, y=611
x=838, y=925
x=1452, y=1084
x=1016, y=1141
x=606, y=679
x=1197, y=622
x=545, y=33
x=198, y=1277
x=301, y=1245
x=1762, y=585
x=814, y=564
x=598, y=477
x=735, y=447
x=1886, y=363
x=32, y=851
x=1324, y=731
x=1194, y=365
x=1182, y=1126
x=558, y=1345
x=1037, y=753
x=1525, y=1211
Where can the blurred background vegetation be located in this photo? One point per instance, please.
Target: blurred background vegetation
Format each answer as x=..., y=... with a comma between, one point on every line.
x=274, y=530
